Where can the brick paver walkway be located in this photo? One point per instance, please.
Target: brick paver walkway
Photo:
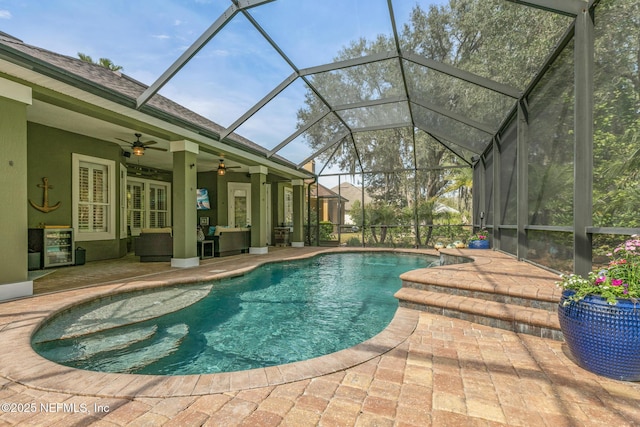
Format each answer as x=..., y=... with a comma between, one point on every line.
x=448, y=372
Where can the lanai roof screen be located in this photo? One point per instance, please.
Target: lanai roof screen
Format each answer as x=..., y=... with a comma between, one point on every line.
x=366, y=85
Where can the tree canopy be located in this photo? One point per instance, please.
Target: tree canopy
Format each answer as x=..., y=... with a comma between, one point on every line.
x=411, y=165
x=103, y=62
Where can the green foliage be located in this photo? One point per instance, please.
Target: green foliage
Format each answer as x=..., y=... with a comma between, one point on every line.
x=621, y=279
x=381, y=215
x=103, y=62
x=356, y=213
x=505, y=42
x=354, y=242
x=492, y=38
x=479, y=235
x=326, y=230
x=616, y=199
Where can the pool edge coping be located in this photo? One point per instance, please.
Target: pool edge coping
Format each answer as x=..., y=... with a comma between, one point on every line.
x=24, y=366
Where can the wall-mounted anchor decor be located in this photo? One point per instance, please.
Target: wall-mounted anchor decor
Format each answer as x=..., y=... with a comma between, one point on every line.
x=45, y=198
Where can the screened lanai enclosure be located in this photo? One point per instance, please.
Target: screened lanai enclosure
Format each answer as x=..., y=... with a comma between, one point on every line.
x=422, y=121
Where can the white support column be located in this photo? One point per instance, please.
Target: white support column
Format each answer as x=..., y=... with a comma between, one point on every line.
x=184, y=204
x=297, y=238
x=258, y=209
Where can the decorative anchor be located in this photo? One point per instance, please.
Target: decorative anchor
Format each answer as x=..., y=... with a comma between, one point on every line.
x=45, y=198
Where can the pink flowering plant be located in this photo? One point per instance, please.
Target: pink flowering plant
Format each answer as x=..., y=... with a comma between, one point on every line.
x=620, y=279
x=480, y=235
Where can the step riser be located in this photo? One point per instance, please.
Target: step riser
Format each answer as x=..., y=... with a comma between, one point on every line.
x=506, y=299
x=493, y=322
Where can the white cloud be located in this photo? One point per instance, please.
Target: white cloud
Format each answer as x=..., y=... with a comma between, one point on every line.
x=5, y=14
x=177, y=22
x=221, y=52
x=161, y=36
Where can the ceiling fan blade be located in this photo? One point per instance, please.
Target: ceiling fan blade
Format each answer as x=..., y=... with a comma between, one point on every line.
x=123, y=140
x=149, y=142
x=156, y=148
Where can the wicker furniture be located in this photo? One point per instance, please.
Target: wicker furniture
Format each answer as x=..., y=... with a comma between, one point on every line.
x=154, y=244
x=231, y=241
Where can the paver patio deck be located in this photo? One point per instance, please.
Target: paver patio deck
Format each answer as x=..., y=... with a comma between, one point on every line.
x=425, y=369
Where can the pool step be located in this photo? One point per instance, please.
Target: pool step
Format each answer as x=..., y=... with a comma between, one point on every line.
x=527, y=297
x=532, y=321
x=164, y=346
x=93, y=346
x=501, y=293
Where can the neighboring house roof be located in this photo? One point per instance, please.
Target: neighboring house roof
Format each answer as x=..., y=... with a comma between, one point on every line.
x=352, y=193
x=325, y=193
x=121, y=86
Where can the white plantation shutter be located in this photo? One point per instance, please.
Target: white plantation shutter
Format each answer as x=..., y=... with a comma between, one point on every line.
x=84, y=184
x=83, y=206
x=288, y=206
x=158, y=206
x=83, y=217
x=94, y=214
x=93, y=201
x=153, y=217
x=149, y=203
x=100, y=197
x=135, y=206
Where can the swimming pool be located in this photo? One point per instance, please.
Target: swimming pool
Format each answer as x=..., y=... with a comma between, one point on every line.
x=276, y=314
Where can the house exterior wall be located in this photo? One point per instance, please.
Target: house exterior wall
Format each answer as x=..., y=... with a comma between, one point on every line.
x=49, y=153
x=222, y=195
x=13, y=203
x=209, y=180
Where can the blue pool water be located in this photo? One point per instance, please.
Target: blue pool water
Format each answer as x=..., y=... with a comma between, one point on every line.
x=278, y=313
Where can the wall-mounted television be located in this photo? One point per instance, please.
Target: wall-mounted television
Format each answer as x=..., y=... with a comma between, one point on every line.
x=202, y=197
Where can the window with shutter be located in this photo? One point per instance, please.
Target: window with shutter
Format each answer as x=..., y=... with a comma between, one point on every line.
x=288, y=206
x=149, y=204
x=94, y=202
x=135, y=205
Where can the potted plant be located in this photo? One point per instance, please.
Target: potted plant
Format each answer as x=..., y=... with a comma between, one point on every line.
x=600, y=316
x=479, y=240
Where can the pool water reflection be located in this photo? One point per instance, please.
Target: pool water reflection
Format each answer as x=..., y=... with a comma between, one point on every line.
x=279, y=313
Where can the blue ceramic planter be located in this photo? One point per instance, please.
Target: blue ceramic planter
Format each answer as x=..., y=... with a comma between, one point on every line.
x=478, y=244
x=604, y=339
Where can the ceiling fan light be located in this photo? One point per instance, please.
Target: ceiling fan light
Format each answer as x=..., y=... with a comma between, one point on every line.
x=138, y=151
x=221, y=168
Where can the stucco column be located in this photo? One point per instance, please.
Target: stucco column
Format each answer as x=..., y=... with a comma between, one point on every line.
x=297, y=238
x=185, y=181
x=258, y=209
x=14, y=99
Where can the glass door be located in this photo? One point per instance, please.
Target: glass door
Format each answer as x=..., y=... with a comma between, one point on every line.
x=239, y=204
x=135, y=206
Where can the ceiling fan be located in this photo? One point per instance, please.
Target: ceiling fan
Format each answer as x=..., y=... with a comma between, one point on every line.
x=222, y=168
x=138, y=147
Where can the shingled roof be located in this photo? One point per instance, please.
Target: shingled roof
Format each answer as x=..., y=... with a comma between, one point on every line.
x=325, y=193
x=114, y=84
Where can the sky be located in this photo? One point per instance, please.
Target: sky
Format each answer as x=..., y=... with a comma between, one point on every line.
x=233, y=71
